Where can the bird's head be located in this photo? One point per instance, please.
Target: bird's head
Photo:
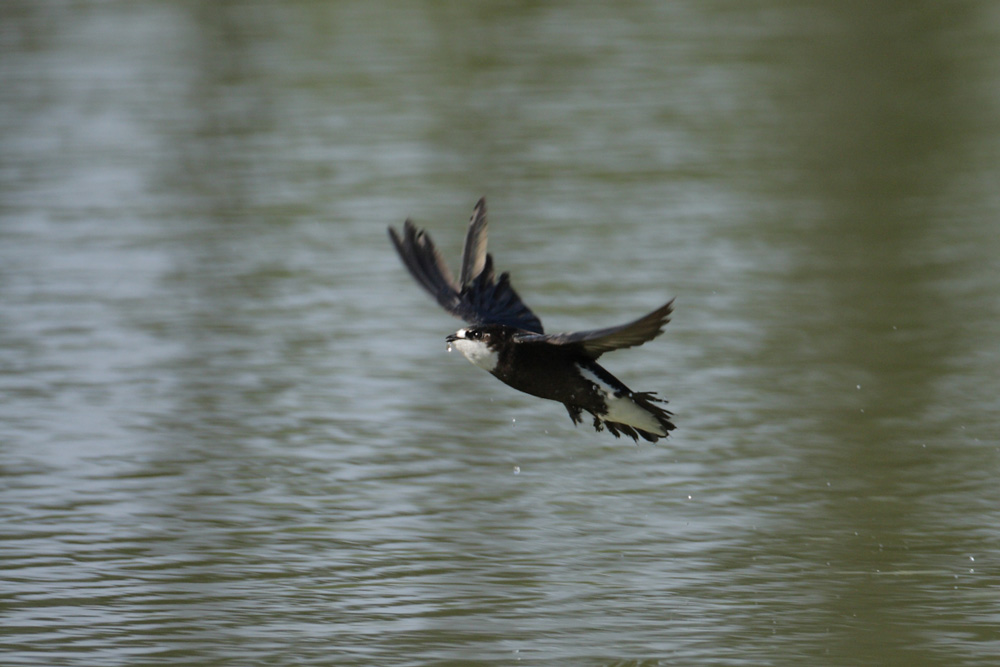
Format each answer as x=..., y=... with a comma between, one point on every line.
x=480, y=344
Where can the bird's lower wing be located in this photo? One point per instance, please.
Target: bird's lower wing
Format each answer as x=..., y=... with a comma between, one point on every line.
x=596, y=342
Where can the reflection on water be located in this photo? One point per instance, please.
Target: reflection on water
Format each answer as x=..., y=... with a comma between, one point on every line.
x=229, y=429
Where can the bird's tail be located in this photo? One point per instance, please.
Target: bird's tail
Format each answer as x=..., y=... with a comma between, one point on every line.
x=646, y=419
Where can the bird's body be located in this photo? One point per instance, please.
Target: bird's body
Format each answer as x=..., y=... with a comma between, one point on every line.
x=507, y=340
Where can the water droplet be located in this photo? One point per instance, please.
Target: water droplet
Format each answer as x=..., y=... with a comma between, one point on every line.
x=517, y=470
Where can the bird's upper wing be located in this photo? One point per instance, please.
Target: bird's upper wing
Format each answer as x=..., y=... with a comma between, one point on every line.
x=480, y=298
x=596, y=342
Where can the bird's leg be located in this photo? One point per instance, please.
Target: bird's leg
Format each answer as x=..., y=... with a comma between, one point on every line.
x=574, y=413
x=598, y=424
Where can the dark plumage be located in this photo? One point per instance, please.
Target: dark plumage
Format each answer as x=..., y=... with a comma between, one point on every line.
x=507, y=339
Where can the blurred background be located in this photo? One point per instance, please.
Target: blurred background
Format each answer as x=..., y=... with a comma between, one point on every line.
x=230, y=433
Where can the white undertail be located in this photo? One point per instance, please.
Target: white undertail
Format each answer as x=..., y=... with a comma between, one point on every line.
x=622, y=409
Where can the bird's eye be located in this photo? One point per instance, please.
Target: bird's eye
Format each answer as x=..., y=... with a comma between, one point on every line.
x=474, y=334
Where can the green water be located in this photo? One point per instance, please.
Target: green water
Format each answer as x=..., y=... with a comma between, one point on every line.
x=230, y=433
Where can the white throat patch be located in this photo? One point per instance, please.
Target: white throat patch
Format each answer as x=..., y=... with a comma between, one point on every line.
x=476, y=351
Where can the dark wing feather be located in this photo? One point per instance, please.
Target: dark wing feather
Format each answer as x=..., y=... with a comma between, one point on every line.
x=426, y=265
x=480, y=298
x=474, y=255
x=596, y=342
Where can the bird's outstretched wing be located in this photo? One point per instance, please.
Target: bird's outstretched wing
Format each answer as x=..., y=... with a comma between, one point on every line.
x=480, y=298
x=596, y=342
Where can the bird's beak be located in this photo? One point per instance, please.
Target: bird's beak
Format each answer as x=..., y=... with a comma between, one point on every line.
x=451, y=338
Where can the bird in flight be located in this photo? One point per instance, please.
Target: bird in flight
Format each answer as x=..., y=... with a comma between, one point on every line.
x=505, y=338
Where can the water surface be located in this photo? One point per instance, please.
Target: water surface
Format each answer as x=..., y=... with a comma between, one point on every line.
x=230, y=433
